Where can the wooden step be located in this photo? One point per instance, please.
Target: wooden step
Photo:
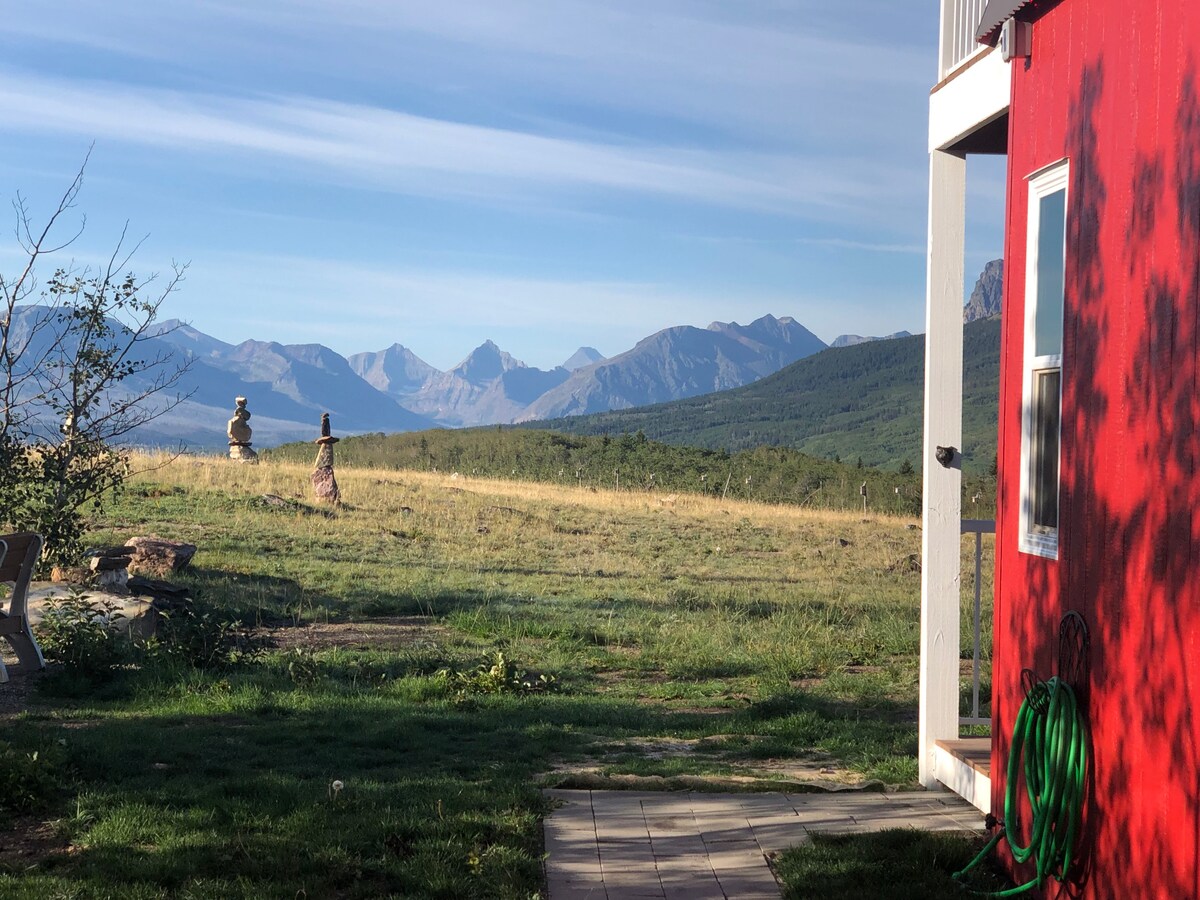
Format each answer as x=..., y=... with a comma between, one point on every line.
x=964, y=766
x=976, y=752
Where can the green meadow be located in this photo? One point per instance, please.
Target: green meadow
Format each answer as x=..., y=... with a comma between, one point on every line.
x=366, y=701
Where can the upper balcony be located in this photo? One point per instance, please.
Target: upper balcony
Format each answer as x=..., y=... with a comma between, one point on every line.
x=968, y=106
x=960, y=18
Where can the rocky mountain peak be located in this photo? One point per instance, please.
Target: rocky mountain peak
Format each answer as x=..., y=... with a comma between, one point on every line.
x=985, y=298
x=486, y=363
x=396, y=370
x=583, y=357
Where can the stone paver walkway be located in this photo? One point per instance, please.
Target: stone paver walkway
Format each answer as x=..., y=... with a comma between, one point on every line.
x=627, y=845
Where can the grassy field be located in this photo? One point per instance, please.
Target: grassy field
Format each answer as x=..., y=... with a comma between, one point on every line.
x=433, y=653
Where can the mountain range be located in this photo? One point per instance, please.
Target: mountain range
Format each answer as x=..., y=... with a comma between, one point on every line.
x=862, y=399
x=856, y=402
x=290, y=385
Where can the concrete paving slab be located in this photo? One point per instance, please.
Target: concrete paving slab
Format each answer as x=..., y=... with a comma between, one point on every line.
x=744, y=885
x=626, y=845
x=565, y=890
x=693, y=892
x=724, y=857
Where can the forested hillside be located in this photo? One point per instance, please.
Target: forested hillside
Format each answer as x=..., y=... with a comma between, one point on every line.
x=863, y=401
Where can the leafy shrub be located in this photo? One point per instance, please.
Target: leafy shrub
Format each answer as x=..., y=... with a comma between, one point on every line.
x=29, y=777
x=497, y=675
x=201, y=640
x=84, y=636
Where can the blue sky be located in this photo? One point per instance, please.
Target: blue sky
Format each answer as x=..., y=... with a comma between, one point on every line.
x=543, y=173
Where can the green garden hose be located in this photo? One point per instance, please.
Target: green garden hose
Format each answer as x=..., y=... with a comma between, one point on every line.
x=1050, y=737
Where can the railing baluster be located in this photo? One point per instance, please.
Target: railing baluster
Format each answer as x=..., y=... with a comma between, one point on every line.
x=977, y=527
x=961, y=17
x=978, y=590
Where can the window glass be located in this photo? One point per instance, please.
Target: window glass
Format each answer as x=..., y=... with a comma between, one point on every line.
x=1048, y=324
x=1044, y=451
x=1042, y=387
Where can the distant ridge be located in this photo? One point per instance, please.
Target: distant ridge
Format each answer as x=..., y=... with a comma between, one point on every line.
x=850, y=340
x=679, y=362
x=290, y=383
x=862, y=401
x=490, y=385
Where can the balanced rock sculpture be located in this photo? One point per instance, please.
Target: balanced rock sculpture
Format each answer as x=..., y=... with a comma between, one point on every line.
x=239, y=434
x=324, y=484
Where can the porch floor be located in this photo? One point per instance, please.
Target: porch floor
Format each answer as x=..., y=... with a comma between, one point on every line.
x=976, y=752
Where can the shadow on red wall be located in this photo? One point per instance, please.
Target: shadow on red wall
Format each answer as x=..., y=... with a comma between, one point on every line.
x=1129, y=553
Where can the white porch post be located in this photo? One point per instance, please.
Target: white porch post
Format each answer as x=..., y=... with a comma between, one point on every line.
x=940, y=537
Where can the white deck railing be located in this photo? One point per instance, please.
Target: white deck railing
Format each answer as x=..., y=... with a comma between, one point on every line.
x=977, y=527
x=960, y=18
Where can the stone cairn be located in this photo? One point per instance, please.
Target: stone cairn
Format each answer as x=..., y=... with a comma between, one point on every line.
x=324, y=484
x=239, y=434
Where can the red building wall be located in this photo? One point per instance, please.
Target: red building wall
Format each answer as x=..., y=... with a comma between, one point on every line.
x=1114, y=87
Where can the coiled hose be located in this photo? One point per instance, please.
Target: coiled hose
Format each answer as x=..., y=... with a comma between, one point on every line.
x=1050, y=737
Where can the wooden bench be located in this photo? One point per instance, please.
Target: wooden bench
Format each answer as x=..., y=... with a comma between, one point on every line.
x=18, y=555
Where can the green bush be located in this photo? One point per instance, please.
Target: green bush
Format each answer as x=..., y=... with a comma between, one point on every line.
x=84, y=636
x=30, y=777
x=201, y=640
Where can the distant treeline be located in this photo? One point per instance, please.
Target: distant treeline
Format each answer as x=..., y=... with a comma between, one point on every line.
x=631, y=462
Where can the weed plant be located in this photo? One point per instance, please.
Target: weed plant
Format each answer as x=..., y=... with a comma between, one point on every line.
x=32, y=772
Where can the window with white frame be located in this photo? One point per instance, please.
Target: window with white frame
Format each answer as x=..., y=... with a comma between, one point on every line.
x=1042, y=390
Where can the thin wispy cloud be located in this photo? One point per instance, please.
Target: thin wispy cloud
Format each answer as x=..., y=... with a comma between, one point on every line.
x=745, y=73
x=844, y=244
x=398, y=151
x=567, y=172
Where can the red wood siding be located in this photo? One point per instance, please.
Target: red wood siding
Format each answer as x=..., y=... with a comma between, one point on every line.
x=1114, y=87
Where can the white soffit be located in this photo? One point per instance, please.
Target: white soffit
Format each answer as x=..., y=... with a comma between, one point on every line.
x=976, y=96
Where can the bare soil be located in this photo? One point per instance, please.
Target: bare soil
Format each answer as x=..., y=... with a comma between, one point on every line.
x=28, y=840
x=15, y=694
x=385, y=632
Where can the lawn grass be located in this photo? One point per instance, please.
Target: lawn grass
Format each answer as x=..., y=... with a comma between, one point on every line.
x=745, y=644
x=897, y=864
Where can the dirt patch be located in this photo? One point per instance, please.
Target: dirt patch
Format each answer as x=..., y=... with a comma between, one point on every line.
x=28, y=840
x=723, y=783
x=384, y=633
x=16, y=693
x=806, y=770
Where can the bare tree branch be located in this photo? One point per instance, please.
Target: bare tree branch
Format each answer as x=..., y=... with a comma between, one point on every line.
x=77, y=376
